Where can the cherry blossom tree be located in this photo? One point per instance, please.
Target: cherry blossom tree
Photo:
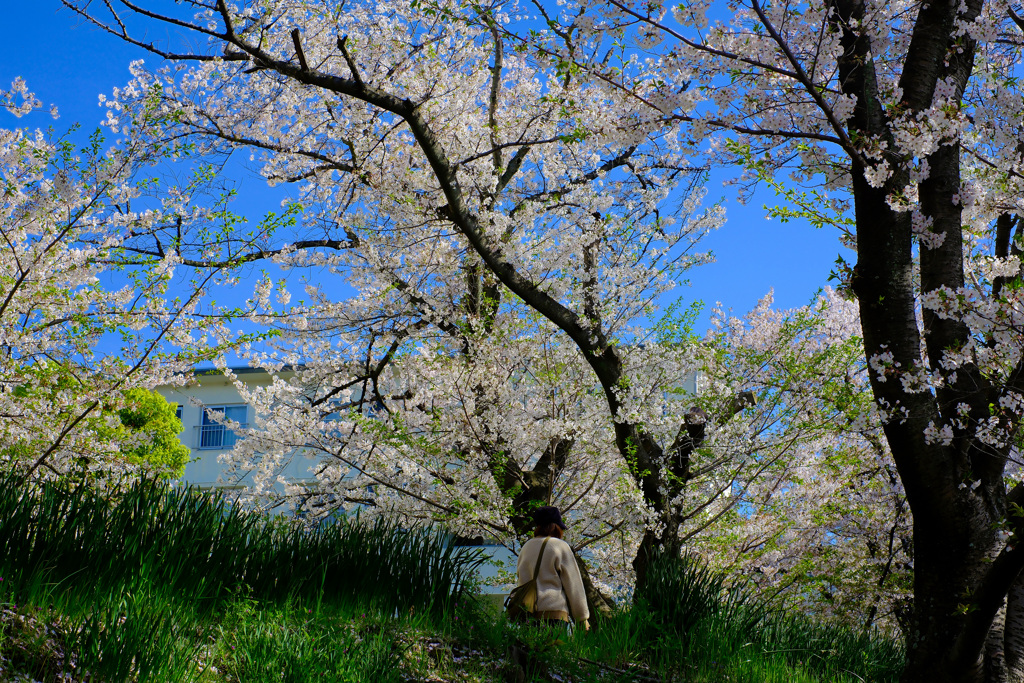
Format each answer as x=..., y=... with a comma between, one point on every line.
x=907, y=116
x=770, y=492
x=81, y=337
x=458, y=184
x=507, y=218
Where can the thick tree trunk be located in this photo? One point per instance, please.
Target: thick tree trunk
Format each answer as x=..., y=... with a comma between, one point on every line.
x=955, y=490
x=946, y=640
x=1013, y=631
x=651, y=544
x=950, y=564
x=959, y=628
x=995, y=652
x=600, y=604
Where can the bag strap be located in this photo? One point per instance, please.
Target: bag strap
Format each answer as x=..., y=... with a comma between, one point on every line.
x=540, y=556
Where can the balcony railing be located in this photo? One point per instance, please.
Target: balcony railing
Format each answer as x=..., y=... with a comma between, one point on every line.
x=215, y=437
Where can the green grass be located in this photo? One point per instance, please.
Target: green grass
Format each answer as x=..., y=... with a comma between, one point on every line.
x=137, y=585
x=712, y=623
x=696, y=626
x=169, y=585
x=296, y=644
x=632, y=646
x=156, y=638
x=60, y=540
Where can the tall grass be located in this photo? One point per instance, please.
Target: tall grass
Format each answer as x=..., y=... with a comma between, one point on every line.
x=682, y=592
x=135, y=635
x=196, y=544
x=137, y=583
x=707, y=624
x=160, y=585
x=696, y=625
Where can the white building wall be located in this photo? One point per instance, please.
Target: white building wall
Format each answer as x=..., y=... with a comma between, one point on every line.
x=215, y=390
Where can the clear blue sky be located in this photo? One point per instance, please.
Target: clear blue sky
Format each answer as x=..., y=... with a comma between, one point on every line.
x=68, y=63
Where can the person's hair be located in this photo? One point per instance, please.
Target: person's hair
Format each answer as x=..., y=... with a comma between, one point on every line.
x=549, y=529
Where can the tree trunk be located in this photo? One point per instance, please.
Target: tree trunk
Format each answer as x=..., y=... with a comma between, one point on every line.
x=995, y=652
x=950, y=563
x=954, y=483
x=1013, y=630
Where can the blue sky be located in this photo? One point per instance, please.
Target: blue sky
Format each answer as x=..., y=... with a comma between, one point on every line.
x=69, y=63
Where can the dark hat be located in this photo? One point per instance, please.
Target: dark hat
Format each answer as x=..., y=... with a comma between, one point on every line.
x=546, y=515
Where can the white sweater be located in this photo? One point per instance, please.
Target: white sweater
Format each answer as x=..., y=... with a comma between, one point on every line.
x=559, y=577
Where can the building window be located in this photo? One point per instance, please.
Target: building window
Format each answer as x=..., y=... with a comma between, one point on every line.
x=177, y=411
x=216, y=436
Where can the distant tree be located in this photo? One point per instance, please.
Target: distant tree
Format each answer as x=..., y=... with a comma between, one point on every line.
x=827, y=525
x=149, y=433
x=131, y=428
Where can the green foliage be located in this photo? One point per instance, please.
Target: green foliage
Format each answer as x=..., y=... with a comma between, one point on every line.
x=135, y=587
x=148, y=634
x=814, y=206
x=149, y=431
x=676, y=326
x=137, y=425
x=693, y=625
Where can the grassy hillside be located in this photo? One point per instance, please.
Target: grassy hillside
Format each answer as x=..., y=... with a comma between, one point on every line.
x=160, y=585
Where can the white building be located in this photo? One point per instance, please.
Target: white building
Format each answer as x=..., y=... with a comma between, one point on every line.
x=210, y=392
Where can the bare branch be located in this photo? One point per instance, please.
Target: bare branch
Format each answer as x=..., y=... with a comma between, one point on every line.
x=298, y=50
x=348, y=60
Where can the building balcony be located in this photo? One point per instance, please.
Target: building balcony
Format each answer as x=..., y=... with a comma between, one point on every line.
x=214, y=437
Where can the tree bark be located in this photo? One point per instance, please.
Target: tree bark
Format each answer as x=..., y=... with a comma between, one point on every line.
x=958, y=630
x=1013, y=632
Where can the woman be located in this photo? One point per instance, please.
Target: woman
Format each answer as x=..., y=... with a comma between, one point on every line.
x=560, y=593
